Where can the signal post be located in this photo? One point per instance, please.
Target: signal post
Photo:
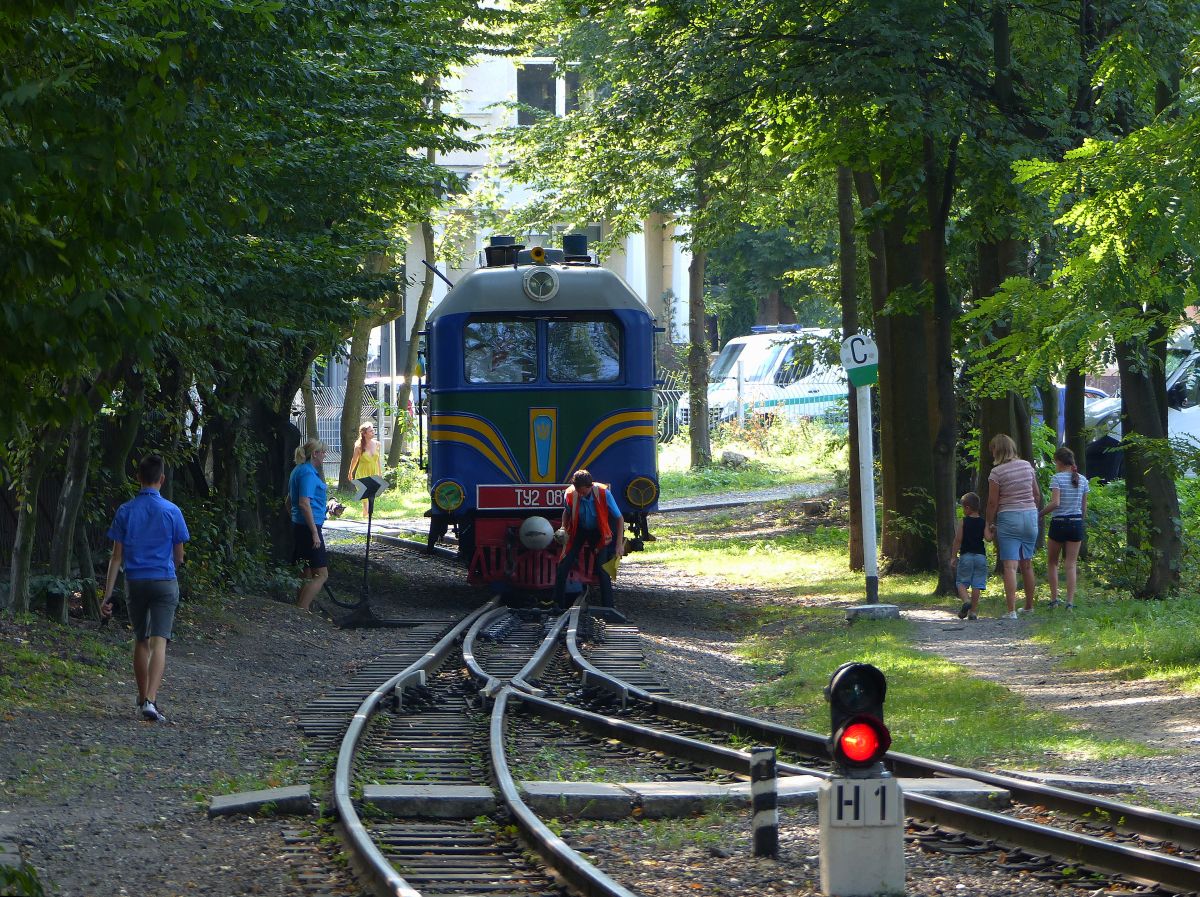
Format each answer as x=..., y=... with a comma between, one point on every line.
x=860, y=358
x=861, y=809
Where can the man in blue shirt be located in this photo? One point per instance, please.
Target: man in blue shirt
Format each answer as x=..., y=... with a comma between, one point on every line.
x=148, y=535
x=591, y=517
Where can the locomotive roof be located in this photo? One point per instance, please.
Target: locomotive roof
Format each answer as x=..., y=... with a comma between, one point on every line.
x=581, y=288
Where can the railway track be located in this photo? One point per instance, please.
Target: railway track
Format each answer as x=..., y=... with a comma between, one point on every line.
x=1146, y=845
x=429, y=723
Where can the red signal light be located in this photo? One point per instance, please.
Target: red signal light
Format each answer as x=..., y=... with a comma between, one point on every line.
x=862, y=741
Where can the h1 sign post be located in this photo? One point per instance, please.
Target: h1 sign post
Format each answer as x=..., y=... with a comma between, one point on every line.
x=860, y=358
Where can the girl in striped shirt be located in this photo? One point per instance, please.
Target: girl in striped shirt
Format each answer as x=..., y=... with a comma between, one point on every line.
x=1067, y=507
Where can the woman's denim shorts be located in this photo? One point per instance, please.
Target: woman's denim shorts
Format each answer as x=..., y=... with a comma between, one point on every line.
x=1016, y=533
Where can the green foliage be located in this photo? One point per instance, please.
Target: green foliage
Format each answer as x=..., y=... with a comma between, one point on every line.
x=21, y=881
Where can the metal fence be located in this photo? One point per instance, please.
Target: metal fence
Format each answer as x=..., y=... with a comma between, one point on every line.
x=330, y=400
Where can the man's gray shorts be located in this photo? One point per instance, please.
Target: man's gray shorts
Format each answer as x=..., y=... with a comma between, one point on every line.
x=152, y=604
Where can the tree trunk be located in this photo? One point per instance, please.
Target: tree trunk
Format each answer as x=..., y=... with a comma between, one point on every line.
x=996, y=261
x=87, y=572
x=117, y=440
x=848, y=285
x=310, y=407
x=939, y=185
x=356, y=378
x=1073, y=418
x=45, y=447
x=414, y=338
x=698, y=362
x=1151, y=501
x=904, y=415
x=69, y=501
x=905, y=455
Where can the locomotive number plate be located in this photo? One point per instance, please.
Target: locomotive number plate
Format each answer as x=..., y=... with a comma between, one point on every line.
x=523, y=497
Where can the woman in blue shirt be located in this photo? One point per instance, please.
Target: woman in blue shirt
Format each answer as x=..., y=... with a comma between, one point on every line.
x=307, y=495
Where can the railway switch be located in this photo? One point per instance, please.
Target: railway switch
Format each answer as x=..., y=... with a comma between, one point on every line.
x=861, y=807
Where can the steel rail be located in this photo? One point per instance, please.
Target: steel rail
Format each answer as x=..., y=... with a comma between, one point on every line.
x=490, y=684
x=565, y=861
x=1086, y=850
x=590, y=675
x=1097, y=853
x=526, y=679
x=413, y=545
x=1124, y=817
x=702, y=752
x=374, y=862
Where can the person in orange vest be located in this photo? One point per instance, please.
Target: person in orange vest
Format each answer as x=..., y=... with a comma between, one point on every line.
x=591, y=517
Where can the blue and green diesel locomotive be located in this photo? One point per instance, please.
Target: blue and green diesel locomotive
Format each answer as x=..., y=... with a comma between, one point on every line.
x=537, y=364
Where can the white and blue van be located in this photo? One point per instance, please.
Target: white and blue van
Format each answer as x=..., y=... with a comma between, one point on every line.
x=780, y=371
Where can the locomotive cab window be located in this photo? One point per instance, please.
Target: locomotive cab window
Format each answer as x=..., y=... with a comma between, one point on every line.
x=584, y=350
x=500, y=351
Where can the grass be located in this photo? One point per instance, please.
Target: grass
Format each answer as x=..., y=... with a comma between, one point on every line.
x=1137, y=639
x=703, y=831
x=278, y=775
x=782, y=455
x=798, y=637
x=42, y=665
x=934, y=708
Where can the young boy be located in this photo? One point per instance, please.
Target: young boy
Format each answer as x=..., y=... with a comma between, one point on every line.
x=148, y=535
x=970, y=556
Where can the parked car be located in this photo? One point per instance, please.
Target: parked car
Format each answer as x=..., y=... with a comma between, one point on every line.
x=1103, y=417
x=779, y=371
x=1090, y=394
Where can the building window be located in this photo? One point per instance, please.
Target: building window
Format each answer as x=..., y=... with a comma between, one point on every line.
x=541, y=90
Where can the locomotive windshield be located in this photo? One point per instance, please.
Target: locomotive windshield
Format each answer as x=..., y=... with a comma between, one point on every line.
x=584, y=350
x=500, y=351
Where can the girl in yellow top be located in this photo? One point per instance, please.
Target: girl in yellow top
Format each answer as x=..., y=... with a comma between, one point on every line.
x=365, y=461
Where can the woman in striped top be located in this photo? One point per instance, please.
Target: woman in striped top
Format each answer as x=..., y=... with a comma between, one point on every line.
x=1012, y=518
x=1068, y=504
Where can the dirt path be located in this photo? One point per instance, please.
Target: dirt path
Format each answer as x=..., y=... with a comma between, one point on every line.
x=1153, y=713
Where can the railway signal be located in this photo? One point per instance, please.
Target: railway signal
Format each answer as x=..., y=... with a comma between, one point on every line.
x=368, y=487
x=861, y=807
x=858, y=737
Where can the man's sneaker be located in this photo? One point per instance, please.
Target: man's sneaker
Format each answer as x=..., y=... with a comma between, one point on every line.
x=151, y=713
x=973, y=616
x=1024, y=610
x=964, y=610
x=1011, y=615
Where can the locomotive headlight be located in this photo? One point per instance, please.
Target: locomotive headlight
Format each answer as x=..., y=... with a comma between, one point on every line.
x=448, y=495
x=641, y=492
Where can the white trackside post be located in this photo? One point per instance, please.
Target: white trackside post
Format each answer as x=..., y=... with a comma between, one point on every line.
x=741, y=409
x=866, y=491
x=860, y=358
x=861, y=823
